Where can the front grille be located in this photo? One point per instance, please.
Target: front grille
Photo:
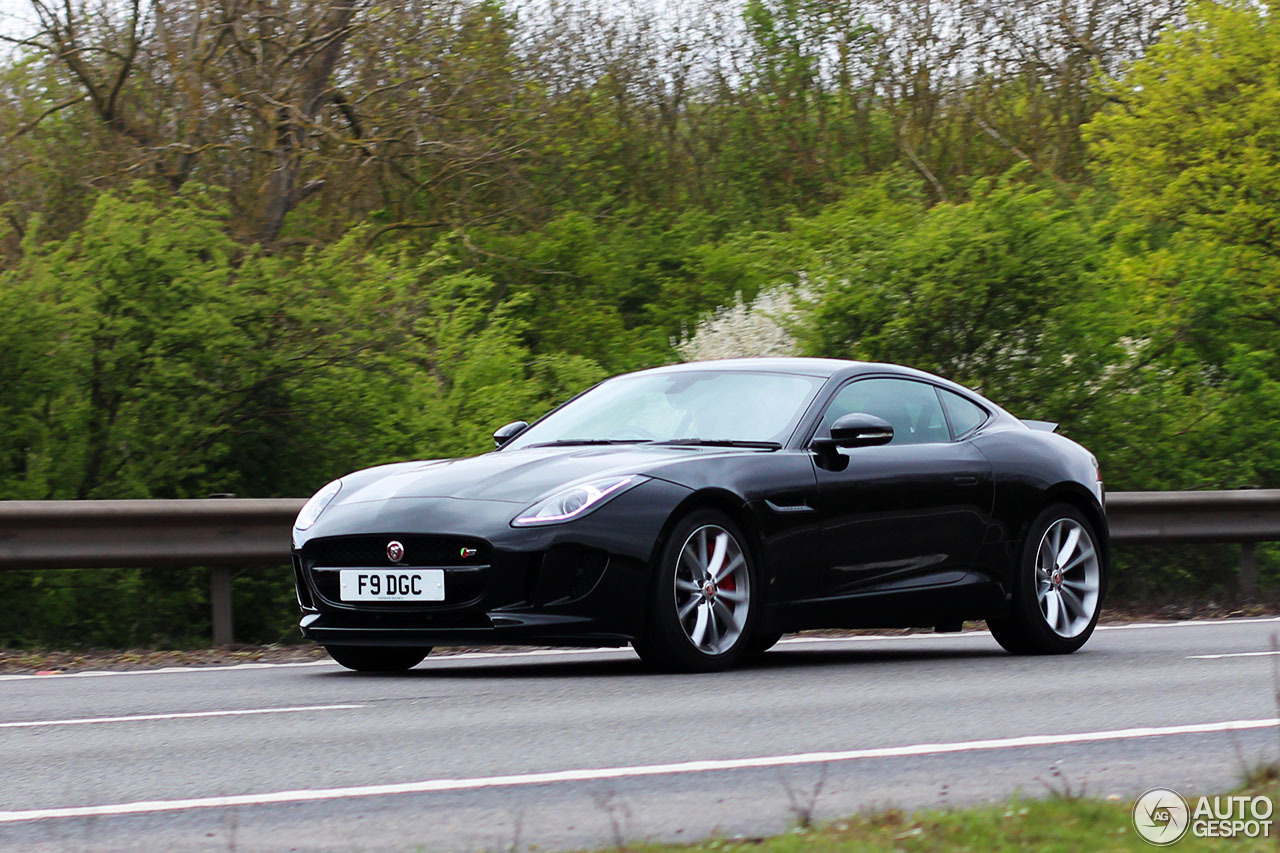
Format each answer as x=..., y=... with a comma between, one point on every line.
x=420, y=552
x=464, y=581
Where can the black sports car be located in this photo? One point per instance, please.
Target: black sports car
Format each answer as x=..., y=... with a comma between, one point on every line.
x=700, y=511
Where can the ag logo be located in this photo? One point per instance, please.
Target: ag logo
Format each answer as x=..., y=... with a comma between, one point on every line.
x=1161, y=816
x=395, y=551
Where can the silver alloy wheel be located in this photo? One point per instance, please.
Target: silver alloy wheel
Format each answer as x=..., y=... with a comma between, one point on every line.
x=712, y=589
x=1067, y=577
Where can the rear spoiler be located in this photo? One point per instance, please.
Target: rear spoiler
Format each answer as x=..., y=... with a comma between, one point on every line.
x=1044, y=426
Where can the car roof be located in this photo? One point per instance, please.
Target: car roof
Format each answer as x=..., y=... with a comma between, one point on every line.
x=820, y=367
x=824, y=368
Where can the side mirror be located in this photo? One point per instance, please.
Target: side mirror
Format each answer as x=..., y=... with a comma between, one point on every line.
x=857, y=429
x=504, y=434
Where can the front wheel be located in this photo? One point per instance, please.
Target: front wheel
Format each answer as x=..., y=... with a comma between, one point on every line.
x=378, y=658
x=703, y=607
x=1057, y=593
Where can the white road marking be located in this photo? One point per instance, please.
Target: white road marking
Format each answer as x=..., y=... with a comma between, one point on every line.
x=1233, y=655
x=1190, y=623
x=185, y=715
x=585, y=775
x=865, y=638
x=165, y=670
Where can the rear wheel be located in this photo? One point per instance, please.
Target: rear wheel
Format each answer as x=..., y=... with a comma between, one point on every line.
x=378, y=658
x=702, y=610
x=1057, y=594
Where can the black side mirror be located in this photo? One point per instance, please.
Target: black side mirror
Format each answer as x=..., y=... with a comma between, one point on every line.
x=857, y=429
x=503, y=434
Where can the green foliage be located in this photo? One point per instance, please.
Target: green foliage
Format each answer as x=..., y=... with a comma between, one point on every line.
x=125, y=329
x=483, y=213
x=1062, y=822
x=1192, y=155
x=1000, y=293
x=151, y=357
x=1194, y=141
x=616, y=288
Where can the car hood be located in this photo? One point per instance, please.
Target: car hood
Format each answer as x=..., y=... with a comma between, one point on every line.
x=517, y=476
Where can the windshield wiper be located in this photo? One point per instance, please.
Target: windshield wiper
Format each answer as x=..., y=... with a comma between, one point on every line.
x=720, y=442
x=565, y=442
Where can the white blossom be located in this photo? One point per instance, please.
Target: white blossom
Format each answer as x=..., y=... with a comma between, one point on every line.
x=760, y=328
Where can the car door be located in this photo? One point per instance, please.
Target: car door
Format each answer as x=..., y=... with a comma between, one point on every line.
x=903, y=515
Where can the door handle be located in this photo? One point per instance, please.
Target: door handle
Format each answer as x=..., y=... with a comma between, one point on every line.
x=966, y=481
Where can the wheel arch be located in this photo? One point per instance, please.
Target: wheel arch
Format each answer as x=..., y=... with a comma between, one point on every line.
x=1075, y=495
x=721, y=500
x=1022, y=630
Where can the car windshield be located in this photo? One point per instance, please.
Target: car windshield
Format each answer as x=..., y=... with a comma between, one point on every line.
x=685, y=407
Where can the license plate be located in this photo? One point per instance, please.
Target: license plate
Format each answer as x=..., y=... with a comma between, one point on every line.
x=391, y=584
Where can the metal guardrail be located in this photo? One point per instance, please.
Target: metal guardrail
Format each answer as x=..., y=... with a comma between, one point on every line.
x=222, y=533
x=218, y=533
x=1247, y=516
x=115, y=534
x=1145, y=518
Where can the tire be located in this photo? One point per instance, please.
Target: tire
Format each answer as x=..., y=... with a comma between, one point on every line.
x=378, y=658
x=1058, y=588
x=704, y=602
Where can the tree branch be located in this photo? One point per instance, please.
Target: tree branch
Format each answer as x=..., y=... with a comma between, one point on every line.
x=126, y=61
x=48, y=112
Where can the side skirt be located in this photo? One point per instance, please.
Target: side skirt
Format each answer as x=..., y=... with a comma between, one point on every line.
x=975, y=597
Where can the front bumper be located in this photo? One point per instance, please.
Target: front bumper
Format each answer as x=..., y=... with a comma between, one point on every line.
x=583, y=582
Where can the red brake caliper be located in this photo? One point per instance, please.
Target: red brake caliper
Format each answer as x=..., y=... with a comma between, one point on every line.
x=726, y=582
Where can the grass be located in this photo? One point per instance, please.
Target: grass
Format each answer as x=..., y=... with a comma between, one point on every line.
x=1054, y=825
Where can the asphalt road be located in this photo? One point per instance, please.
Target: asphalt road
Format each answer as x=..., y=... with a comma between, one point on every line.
x=569, y=749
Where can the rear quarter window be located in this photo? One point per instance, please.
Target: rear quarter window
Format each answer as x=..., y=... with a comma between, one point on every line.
x=965, y=416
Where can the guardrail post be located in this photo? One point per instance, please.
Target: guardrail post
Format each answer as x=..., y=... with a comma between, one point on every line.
x=1248, y=571
x=220, y=599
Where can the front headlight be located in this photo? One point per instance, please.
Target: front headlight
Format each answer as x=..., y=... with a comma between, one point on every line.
x=576, y=501
x=311, y=509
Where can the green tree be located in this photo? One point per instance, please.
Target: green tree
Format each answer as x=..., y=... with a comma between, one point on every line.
x=999, y=293
x=1192, y=153
x=151, y=357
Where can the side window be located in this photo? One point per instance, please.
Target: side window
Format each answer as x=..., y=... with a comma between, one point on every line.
x=965, y=416
x=911, y=407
